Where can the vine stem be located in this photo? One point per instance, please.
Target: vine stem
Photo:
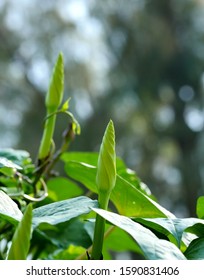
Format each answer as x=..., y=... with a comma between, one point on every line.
x=99, y=230
x=89, y=250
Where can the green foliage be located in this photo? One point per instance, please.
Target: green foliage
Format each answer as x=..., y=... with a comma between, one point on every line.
x=200, y=207
x=9, y=209
x=58, y=217
x=21, y=239
x=152, y=247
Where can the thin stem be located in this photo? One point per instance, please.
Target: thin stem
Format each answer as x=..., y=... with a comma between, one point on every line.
x=89, y=250
x=103, y=200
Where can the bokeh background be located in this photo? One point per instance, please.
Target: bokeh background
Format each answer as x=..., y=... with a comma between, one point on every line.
x=138, y=62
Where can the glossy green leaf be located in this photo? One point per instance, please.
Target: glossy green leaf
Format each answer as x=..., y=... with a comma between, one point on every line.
x=195, y=250
x=128, y=200
x=174, y=228
x=61, y=211
x=200, y=207
x=151, y=246
x=21, y=239
x=9, y=209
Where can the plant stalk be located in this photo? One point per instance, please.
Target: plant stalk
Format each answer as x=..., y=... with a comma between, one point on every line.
x=99, y=230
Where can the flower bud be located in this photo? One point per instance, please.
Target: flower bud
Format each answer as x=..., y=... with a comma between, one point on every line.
x=106, y=168
x=56, y=88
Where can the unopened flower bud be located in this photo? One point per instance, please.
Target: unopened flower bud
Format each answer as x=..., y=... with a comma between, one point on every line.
x=106, y=169
x=56, y=88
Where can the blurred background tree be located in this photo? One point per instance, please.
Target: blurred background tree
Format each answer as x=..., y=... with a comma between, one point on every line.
x=139, y=62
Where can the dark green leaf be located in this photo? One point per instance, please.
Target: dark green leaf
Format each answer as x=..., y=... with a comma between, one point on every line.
x=61, y=211
x=152, y=247
x=21, y=239
x=64, y=234
x=195, y=250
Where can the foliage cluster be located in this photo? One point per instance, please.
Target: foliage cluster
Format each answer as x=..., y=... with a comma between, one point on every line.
x=44, y=215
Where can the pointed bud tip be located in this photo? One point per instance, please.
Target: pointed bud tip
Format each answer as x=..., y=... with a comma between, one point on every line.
x=106, y=167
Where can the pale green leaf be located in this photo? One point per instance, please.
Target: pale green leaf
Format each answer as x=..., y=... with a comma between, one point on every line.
x=4, y=162
x=15, y=156
x=65, y=105
x=9, y=209
x=200, y=207
x=21, y=239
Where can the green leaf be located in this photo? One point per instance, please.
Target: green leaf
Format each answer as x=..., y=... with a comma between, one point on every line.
x=65, y=105
x=195, y=250
x=61, y=211
x=71, y=253
x=9, y=209
x=113, y=244
x=60, y=188
x=151, y=246
x=18, y=157
x=4, y=162
x=21, y=239
x=64, y=234
x=200, y=207
x=173, y=228
x=128, y=200
x=85, y=157
x=91, y=158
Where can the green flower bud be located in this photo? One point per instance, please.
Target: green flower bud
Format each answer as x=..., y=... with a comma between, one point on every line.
x=53, y=99
x=56, y=88
x=106, y=169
